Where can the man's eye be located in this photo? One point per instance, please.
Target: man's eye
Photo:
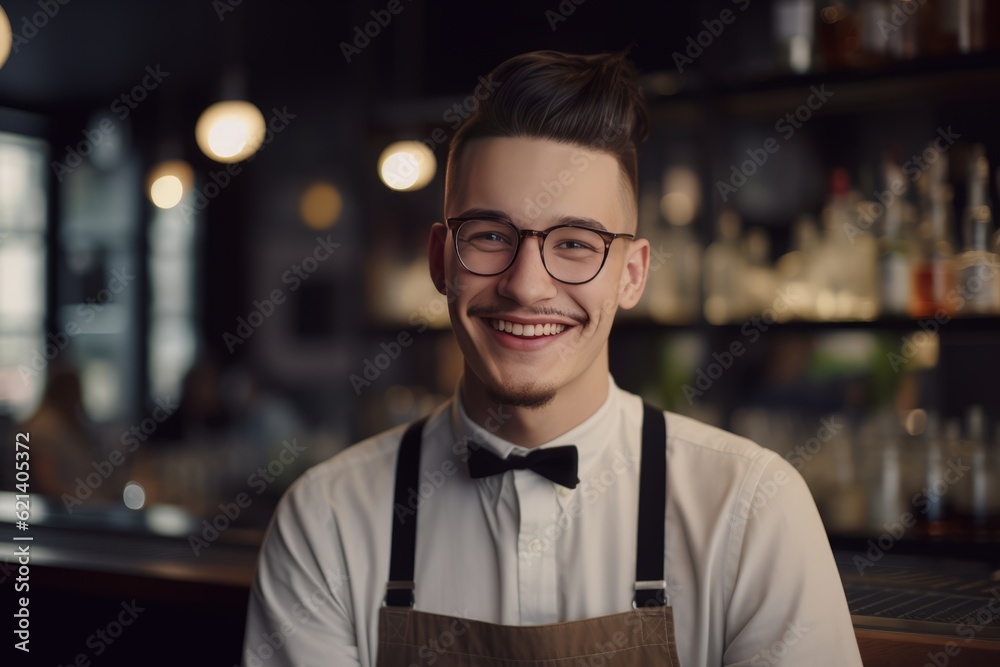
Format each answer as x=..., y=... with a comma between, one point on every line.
x=488, y=238
x=573, y=244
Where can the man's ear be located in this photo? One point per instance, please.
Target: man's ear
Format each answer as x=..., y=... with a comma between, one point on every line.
x=435, y=255
x=634, y=273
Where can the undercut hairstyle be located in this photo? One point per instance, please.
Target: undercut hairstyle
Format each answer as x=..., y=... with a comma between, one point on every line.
x=594, y=102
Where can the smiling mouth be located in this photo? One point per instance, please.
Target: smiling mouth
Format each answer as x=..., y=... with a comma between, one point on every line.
x=528, y=330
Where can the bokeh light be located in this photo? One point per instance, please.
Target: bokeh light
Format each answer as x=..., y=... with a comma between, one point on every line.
x=6, y=37
x=230, y=131
x=168, y=182
x=407, y=165
x=321, y=205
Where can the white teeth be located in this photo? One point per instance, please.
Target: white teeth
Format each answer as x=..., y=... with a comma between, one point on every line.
x=528, y=330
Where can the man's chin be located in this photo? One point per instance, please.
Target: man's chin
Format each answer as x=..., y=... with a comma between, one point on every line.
x=529, y=397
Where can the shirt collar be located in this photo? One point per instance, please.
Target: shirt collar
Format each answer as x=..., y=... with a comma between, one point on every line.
x=591, y=437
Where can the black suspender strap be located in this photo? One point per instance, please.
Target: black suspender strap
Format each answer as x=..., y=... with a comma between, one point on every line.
x=399, y=590
x=650, y=585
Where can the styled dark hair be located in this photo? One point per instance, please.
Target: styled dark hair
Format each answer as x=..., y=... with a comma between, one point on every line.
x=592, y=101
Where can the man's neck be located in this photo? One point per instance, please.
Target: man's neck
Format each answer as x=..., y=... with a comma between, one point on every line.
x=531, y=427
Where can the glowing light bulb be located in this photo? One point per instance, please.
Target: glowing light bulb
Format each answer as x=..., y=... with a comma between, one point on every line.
x=168, y=182
x=407, y=165
x=230, y=131
x=6, y=37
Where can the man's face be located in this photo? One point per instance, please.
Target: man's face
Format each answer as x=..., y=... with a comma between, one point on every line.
x=537, y=184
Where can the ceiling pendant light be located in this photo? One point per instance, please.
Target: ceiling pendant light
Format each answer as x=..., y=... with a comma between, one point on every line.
x=6, y=37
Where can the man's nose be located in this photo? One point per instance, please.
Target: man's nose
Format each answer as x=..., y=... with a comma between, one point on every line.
x=527, y=281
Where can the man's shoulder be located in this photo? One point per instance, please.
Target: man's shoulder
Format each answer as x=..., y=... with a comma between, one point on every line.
x=701, y=439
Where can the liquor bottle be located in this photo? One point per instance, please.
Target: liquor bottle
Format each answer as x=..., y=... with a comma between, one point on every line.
x=673, y=289
x=759, y=283
x=933, y=271
x=839, y=35
x=724, y=264
x=794, y=30
x=978, y=267
x=797, y=269
x=873, y=16
x=887, y=493
x=972, y=487
x=848, y=258
x=934, y=481
x=897, y=250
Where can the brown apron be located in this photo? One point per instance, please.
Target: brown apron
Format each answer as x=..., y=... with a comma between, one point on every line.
x=643, y=637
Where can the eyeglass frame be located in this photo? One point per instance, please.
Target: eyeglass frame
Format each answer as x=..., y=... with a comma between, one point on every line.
x=454, y=224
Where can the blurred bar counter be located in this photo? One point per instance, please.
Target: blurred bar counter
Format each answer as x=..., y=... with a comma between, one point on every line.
x=85, y=584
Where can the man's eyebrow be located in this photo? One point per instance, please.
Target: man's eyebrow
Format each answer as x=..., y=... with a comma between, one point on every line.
x=580, y=222
x=564, y=220
x=483, y=213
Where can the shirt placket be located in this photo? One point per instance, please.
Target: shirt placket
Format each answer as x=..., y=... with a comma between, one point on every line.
x=536, y=552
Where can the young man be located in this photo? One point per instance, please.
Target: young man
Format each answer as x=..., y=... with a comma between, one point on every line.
x=544, y=516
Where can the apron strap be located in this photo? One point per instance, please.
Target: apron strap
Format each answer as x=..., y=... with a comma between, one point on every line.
x=399, y=590
x=650, y=585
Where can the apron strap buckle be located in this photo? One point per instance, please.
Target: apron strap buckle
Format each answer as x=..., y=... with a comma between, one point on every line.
x=399, y=594
x=650, y=594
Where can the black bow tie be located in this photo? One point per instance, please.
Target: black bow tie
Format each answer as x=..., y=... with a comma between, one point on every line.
x=556, y=463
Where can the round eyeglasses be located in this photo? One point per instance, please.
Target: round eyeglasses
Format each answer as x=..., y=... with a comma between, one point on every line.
x=570, y=253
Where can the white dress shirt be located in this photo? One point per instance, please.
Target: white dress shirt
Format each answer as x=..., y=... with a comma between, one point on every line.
x=750, y=574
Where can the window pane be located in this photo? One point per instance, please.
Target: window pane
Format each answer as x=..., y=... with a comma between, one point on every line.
x=22, y=283
x=22, y=183
x=23, y=368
